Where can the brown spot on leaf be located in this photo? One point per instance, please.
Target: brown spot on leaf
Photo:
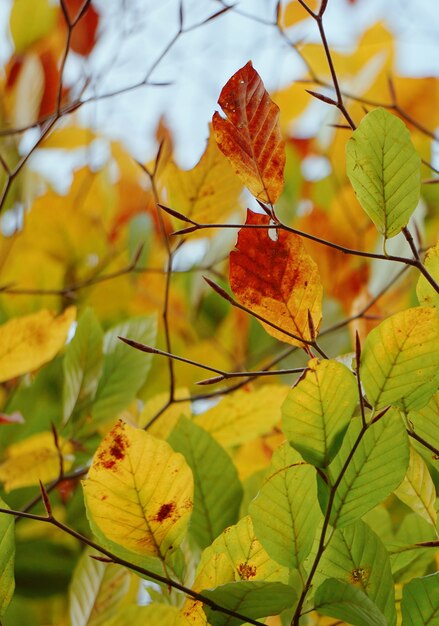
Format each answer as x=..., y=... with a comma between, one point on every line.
x=246, y=571
x=114, y=450
x=165, y=511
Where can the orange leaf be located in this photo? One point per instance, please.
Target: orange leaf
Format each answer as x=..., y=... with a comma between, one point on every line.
x=84, y=32
x=273, y=276
x=250, y=136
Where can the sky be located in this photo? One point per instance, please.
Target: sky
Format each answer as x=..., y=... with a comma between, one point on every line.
x=133, y=34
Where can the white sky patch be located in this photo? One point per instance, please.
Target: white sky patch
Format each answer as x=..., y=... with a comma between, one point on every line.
x=191, y=253
x=315, y=167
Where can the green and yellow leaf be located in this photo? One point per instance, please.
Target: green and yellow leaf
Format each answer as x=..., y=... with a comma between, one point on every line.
x=139, y=492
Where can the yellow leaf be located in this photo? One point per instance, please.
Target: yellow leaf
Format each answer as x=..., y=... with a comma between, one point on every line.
x=245, y=414
x=154, y=613
x=212, y=572
x=33, y=459
x=162, y=427
x=69, y=138
x=96, y=590
x=139, y=492
x=30, y=21
x=427, y=296
x=417, y=489
x=209, y=192
x=245, y=553
x=28, y=342
x=294, y=12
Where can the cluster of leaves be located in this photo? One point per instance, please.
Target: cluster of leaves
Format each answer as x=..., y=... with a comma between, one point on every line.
x=302, y=495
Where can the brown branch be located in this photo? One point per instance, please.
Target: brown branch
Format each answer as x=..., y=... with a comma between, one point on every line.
x=169, y=582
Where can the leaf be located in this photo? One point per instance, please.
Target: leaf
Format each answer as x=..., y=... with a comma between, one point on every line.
x=250, y=598
x=276, y=279
x=139, y=492
x=356, y=555
x=30, y=20
x=425, y=421
x=420, y=601
x=286, y=508
x=250, y=135
x=348, y=603
x=376, y=468
x=207, y=193
x=318, y=409
x=96, y=590
x=154, y=613
x=241, y=416
x=35, y=459
x=400, y=359
x=163, y=426
x=125, y=369
x=82, y=365
x=384, y=169
x=7, y=555
x=245, y=554
x=417, y=490
x=294, y=12
x=213, y=571
x=83, y=37
x=427, y=296
x=218, y=491
x=32, y=340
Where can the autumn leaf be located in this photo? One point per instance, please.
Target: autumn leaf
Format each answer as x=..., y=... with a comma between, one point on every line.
x=207, y=193
x=250, y=135
x=28, y=342
x=30, y=21
x=83, y=36
x=276, y=279
x=35, y=459
x=147, y=483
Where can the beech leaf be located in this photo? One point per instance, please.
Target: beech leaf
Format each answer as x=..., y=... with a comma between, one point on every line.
x=30, y=341
x=149, y=486
x=385, y=170
x=318, y=409
x=276, y=279
x=250, y=135
x=400, y=359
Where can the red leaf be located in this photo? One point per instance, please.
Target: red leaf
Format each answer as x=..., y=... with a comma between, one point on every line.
x=250, y=136
x=274, y=277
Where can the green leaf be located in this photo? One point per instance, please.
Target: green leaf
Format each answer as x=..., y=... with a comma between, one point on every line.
x=425, y=422
x=348, y=603
x=96, y=590
x=82, y=365
x=384, y=170
x=125, y=369
x=417, y=490
x=407, y=559
x=251, y=598
x=400, y=359
x=7, y=553
x=30, y=21
x=356, y=555
x=317, y=410
x=376, y=467
x=420, y=602
x=428, y=296
x=286, y=511
x=218, y=491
